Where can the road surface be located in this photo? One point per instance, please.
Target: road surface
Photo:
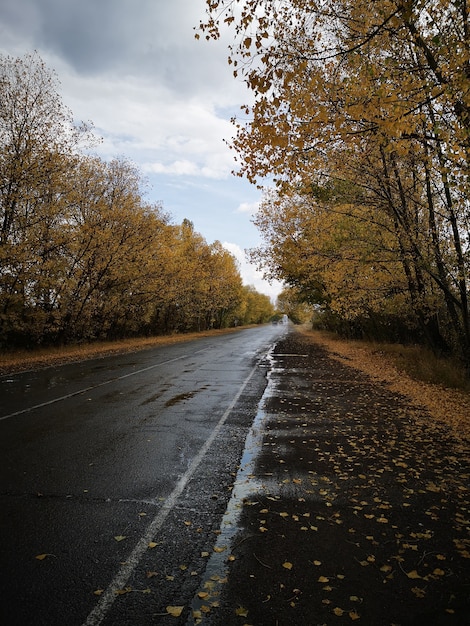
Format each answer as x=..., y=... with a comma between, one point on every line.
x=115, y=475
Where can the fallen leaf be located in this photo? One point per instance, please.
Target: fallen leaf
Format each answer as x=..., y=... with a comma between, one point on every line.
x=152, y=544
x=121, y=592
x=413, y=574
x=119, y=537
x=419, y=593
x=323, y=579
x=287, y=565
x=354, y=615
x=174, y=611
x=98, y=592
x=338, y=612
x=241, y=612
x=41, y=557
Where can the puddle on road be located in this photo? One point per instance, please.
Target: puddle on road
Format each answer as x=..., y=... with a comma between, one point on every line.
x=244, y=486
x=180, y=398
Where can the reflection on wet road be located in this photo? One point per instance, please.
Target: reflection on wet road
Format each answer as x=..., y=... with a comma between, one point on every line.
x=245, y=484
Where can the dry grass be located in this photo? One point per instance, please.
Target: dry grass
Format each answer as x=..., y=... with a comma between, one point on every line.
x=24, y=360
x=443, y=403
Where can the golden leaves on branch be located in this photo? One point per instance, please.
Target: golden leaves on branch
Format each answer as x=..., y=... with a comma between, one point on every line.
x=354, y=128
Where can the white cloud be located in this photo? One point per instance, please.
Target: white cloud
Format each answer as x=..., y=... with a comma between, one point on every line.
x=248, y=207
x=161, y=131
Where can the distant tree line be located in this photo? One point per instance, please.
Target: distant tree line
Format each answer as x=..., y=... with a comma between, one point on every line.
x=82, y=254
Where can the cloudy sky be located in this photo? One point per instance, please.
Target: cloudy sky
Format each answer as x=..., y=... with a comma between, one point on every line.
x=156, y=96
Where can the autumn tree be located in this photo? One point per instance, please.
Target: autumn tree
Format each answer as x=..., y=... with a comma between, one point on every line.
x=203, y=283
x=334, y=256
x=225, y=288
x=370, y=99
x=112, y=256
x=255, y=307
x=38, y=147
x=290, y=303
x=83, y=255
x=78, y=246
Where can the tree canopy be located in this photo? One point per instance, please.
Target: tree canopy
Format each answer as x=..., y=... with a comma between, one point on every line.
x=361, y=115
x=83, y=255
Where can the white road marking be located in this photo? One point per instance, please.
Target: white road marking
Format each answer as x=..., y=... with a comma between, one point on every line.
x=106, y=382
x=107, y=599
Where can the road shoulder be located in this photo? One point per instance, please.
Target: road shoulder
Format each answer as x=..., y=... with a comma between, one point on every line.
x=359, y=507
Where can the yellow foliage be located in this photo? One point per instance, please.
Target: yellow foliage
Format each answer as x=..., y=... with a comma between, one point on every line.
x=362, y=116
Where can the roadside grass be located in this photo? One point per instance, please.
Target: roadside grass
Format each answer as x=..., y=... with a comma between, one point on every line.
x=438, y=385
x=422, y=364
x=417, y=362
x=23, y=360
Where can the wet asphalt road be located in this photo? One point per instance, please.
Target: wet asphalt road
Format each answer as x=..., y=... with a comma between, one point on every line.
x=117, y=472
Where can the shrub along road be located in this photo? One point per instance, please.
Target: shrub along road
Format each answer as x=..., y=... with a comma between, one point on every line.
x=355, y=509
